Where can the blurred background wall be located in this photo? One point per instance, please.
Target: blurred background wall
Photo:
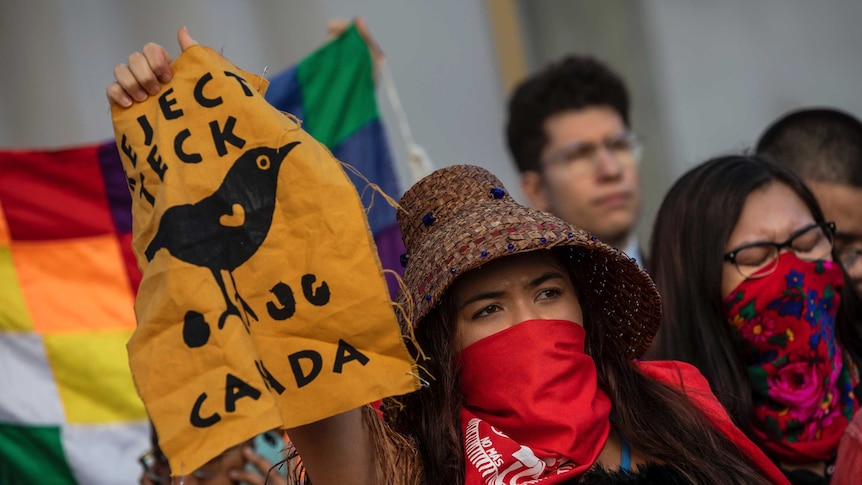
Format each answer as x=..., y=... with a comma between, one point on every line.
x=706, y=77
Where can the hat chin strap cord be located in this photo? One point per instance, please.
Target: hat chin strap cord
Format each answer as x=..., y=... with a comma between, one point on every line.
x=419, y=162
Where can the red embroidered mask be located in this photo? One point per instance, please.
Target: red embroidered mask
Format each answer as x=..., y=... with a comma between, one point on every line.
x=533, y=408
x=802, y=389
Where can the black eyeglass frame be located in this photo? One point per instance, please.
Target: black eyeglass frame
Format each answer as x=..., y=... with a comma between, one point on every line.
x=828, y=228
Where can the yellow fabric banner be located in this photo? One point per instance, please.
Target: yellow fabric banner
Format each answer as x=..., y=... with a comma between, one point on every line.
x=262, y=303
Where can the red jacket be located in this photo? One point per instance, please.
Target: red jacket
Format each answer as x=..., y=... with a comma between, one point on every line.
x=690, y=381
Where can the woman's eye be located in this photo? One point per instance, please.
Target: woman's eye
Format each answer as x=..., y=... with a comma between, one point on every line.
x=484, y=312
x=548, y=294
x=755, y=255
x=808, y=240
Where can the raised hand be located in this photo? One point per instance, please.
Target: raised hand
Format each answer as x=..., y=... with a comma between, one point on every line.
x=335, y=27
x=145, y=72
x=264, y=473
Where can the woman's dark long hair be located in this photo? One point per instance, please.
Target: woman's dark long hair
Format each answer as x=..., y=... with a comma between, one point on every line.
x=687, y=250
x=654, y=417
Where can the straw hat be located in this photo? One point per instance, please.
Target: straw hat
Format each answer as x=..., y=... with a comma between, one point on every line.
x=461, y=217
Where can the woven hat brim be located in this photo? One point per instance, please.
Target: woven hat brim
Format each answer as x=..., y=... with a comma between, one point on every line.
x=611, y=285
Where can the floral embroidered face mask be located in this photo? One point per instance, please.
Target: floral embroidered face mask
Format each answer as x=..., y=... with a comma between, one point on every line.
x=802, y=389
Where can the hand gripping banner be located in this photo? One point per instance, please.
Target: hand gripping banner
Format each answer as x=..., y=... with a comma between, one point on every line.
x=262, y=303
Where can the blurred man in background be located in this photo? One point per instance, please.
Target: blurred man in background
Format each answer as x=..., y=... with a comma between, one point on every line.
x=568, y=131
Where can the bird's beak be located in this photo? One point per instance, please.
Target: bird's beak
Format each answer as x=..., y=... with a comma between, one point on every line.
x=285, y=149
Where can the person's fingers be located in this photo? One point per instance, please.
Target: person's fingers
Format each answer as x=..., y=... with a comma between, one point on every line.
x=124, y=76
x=264, y=466
x=248, y=477
x=185, y=39
x=144, y=76
x=335, y=27
x=256, y=459
x=159, y=60
x=144, y=73
x=362, y=27
x=117, y=95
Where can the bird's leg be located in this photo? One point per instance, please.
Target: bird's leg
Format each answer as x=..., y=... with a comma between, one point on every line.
x=231, y=308
x=247, y=309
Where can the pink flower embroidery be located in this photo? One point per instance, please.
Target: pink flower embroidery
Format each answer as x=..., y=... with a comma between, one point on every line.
x=800, y=387
x=829, y=410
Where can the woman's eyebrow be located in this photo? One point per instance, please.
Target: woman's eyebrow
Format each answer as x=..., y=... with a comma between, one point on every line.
x=545, y=277
x=482, y=296
x=498, y=294
x=774, y=239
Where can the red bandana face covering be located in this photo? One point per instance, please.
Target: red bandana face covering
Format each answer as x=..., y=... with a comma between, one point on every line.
x=533, y=410
x=802, y=389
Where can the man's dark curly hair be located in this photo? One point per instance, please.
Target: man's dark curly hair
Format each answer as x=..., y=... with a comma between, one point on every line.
x=573, y=83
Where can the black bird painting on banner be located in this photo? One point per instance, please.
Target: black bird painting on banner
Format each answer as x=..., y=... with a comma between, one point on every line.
x=223, y=230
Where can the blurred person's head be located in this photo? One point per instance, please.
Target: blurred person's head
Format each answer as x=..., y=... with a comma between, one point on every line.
x=157, y=471
x=742, y=256
x=824, y=147
x=568, y=131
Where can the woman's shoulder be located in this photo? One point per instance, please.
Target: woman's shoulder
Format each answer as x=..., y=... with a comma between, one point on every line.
x=687, y=379
x=675, y=373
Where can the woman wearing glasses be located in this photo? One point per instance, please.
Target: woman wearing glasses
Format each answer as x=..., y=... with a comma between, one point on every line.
x=743, y=259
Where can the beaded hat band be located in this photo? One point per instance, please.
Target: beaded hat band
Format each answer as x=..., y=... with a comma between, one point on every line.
x=461, y=217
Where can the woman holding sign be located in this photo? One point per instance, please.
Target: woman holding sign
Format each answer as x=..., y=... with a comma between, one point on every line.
x=526, y=330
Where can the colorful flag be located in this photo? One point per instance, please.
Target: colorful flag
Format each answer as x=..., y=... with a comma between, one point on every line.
x=69, y=412
x=332, y=92
x=262, y=291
